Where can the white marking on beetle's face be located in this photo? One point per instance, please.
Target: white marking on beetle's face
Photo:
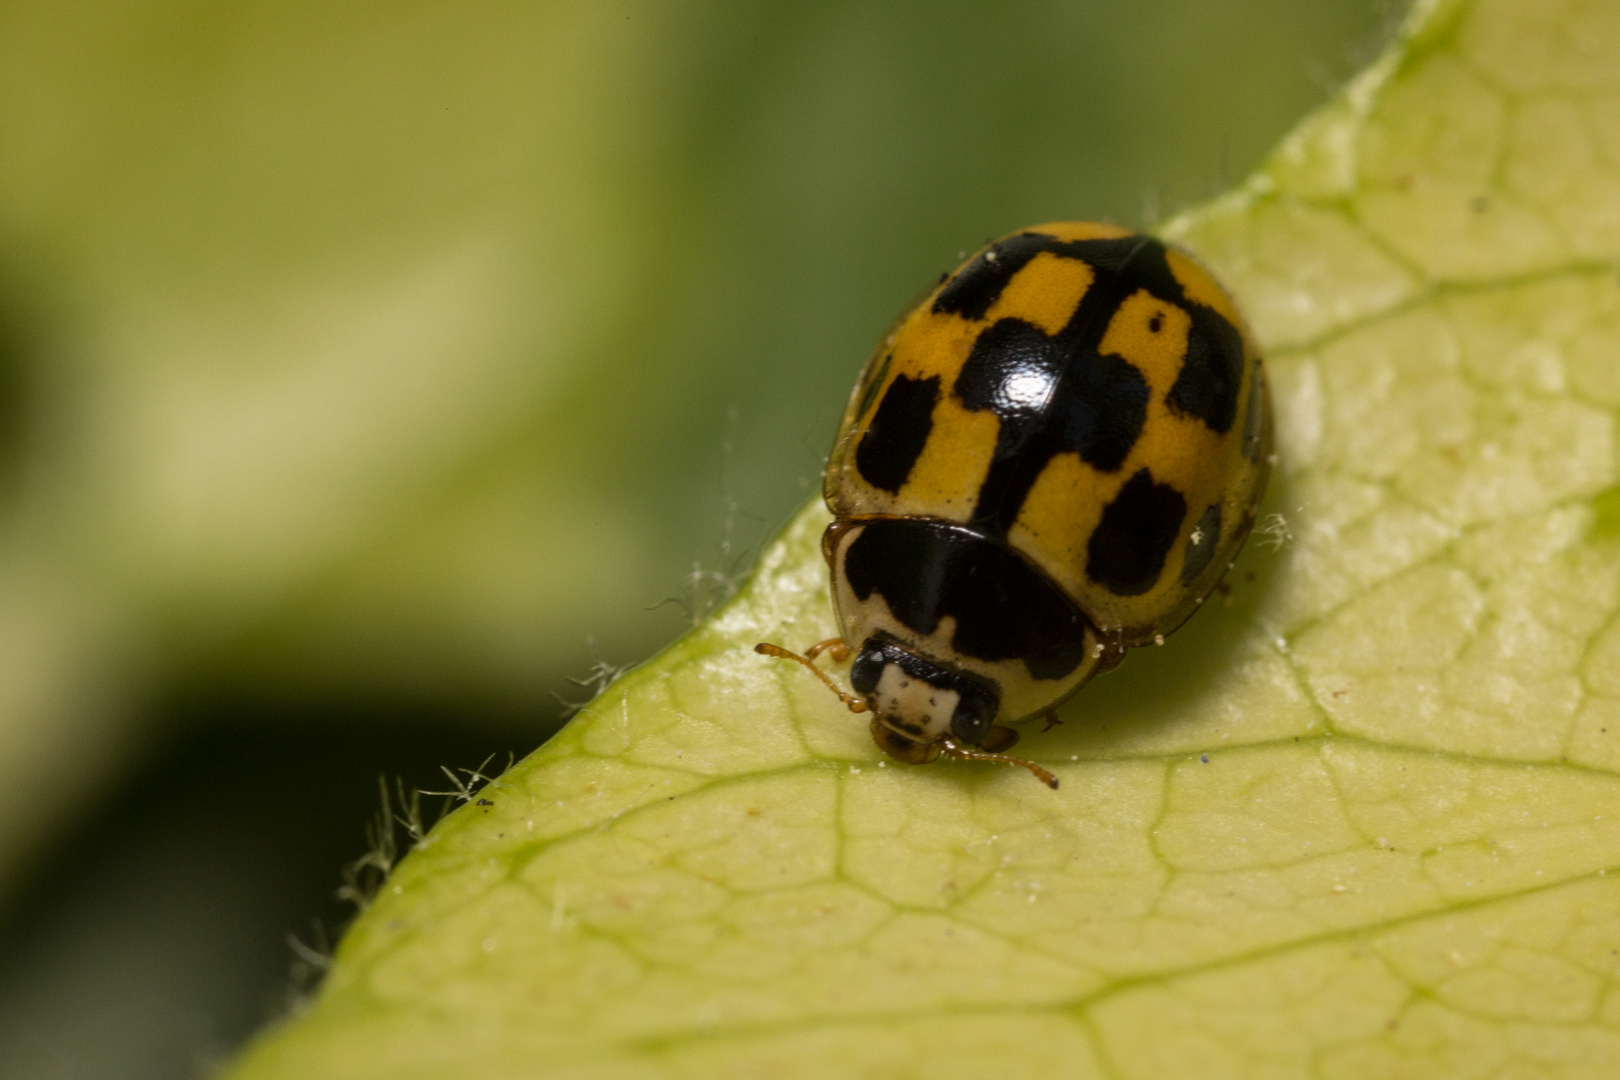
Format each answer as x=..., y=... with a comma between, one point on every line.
x=916, y=709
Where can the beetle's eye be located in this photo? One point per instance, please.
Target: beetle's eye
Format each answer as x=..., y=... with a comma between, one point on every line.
x=972, y=718
x=866, y=670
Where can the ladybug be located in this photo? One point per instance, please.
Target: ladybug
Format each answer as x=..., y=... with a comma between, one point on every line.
x=1051, y=459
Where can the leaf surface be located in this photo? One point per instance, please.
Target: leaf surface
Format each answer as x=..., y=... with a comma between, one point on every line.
x=1354, y=821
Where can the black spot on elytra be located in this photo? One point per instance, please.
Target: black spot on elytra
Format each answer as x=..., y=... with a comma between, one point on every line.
x=1004, y=608
x=1098, y=403
x=975, y=287
x=1052, y=393
x=1059, y=393
x=1050, y=398
x=1156, y=323
x=1201, y=544
x=1127, y=550
x=898, y=432
x=1207, y=388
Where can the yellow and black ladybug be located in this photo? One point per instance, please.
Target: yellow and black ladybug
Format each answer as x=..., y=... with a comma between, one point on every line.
x=1051, y=459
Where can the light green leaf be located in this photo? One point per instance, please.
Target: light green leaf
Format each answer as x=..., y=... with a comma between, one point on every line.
x=1354, y=821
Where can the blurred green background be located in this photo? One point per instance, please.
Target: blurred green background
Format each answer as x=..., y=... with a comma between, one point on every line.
x=369, y=369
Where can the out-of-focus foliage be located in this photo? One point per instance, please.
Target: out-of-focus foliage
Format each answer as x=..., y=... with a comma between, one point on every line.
x=1355, y=821
x=370, y=350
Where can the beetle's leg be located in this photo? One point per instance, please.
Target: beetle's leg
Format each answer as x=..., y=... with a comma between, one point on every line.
x=1052, y=720
x=833, y=647
x=852, y=703
x=962, y=753
x=998, y=740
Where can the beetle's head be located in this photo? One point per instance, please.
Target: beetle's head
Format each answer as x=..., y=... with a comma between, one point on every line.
x=917, y=702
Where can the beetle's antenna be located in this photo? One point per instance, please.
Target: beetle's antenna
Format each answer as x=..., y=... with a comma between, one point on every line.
x=852, y=703
x=962, y=753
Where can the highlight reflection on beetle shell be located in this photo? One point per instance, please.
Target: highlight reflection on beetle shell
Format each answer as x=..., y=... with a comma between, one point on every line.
x=1052, y=457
